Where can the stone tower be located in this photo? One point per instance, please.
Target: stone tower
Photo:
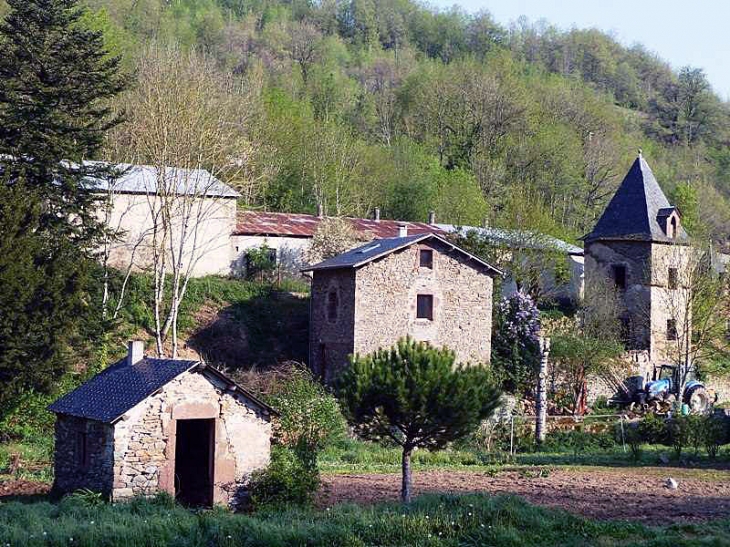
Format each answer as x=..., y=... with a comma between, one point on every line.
x=639, y=248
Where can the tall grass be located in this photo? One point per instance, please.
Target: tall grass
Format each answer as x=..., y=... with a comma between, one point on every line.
x=470, y=520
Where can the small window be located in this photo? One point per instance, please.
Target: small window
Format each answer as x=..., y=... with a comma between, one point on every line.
x=424, y=307
x=672, y=231
x=332, y=306
x=619, y=276
x=671, y=329
x=82, y=449
x=426, y=259
x=673, y=278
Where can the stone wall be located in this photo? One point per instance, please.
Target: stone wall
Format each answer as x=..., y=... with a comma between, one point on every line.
x=144, y=439
x=462, y=312
x=83, y=455
x=331, y=338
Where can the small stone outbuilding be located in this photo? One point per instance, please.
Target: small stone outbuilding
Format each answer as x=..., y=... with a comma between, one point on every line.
x=145, y=425
x=422, y=286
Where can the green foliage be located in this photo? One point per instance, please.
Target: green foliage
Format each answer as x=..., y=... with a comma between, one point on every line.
x=260, y=261
x=288, y=480
x=515, y=345
x=415, y=395
x=433, y=520
x=310, y=417
x=55, y=84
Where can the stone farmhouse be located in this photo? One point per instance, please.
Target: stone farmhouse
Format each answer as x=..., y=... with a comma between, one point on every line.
x=418, y=285
x=639, y=247
x=147, y=425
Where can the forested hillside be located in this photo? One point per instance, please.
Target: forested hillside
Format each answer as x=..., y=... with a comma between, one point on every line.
x=363, y=103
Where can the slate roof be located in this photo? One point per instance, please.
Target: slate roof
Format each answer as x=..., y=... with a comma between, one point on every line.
x=516, y=238
x=143, y=179
x=256, y=223
x=634, y=210
x=379, y=248
x=118, y=388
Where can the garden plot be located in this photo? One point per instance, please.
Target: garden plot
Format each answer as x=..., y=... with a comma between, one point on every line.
x=603, y=493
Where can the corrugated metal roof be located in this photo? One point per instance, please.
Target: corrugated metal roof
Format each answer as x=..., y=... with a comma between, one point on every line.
x=117, y=389
x=144, y=179
x=633, y=211
x=304, y=225
x=378, y=248
x=516, y=238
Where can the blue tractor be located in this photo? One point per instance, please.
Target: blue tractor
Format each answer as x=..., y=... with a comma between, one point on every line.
x=663, y=391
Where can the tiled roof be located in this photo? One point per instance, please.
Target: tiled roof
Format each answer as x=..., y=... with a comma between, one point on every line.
x=117, y=389
x=634, y=210
x=378, y=248
x=304, y=225
x=143, y=179
x=516, y=238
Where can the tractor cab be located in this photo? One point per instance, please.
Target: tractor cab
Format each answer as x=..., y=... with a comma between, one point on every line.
x=665, y=387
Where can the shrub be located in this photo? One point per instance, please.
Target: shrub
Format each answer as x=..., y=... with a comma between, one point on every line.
x=679, y=430
x=714, y=434
x=515, y=345
x=288, y=480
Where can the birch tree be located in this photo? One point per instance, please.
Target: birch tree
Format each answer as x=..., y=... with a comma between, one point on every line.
x=187, y=122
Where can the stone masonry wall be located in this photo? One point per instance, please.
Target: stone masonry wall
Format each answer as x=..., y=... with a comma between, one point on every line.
x=83, y=455
x=144, y=440
x=462, y=313
x=331, y=339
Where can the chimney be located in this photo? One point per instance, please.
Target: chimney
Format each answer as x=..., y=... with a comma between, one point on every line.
x=432, y=217
x=376, y=215
x=402, y=229
x=320, y=210
x=135, y=352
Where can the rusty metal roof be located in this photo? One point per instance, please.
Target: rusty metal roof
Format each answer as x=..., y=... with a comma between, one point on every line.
x=304, y=225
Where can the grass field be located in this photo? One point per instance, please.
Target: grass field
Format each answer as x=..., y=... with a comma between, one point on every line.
x=469, y=520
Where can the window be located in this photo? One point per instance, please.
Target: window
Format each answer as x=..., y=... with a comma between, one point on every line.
x=424, y=306
x=619, y=276
x=82, y=449
x=671, y=329
x=426, y=259
x=332, y=306
x=672, y=231
x=673, y=278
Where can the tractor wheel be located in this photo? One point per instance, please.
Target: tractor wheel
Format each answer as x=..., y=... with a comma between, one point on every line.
x=698, y=400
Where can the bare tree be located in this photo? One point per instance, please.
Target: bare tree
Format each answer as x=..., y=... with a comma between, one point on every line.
x=186, y=121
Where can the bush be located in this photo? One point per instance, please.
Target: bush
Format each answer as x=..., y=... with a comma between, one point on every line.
x=288, y=480
x=310, y=417
x=714, y=434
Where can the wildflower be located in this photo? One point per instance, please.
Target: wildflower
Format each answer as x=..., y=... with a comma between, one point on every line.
x=229, y=537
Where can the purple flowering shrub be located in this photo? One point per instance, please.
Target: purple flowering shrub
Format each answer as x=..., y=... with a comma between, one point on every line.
x=515, y=344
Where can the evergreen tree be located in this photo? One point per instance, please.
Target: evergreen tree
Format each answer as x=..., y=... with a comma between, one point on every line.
x=414, y=395
x=55, y=79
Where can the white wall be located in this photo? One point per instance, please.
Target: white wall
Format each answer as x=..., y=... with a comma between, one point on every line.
x=289, y=252
x=207, y=246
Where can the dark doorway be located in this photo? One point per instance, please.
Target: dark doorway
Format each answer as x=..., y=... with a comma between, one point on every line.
x=194, y=462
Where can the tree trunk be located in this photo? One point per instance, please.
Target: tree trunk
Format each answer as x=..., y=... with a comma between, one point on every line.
x=405, y=492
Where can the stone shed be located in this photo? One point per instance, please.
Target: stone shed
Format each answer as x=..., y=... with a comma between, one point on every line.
x=420, y=285
x=145, y=425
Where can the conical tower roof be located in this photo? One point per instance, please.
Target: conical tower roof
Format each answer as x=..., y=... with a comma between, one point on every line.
x=636, y=210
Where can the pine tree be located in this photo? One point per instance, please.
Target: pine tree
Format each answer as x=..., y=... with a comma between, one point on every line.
x=55, y=82
x=414, y=395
